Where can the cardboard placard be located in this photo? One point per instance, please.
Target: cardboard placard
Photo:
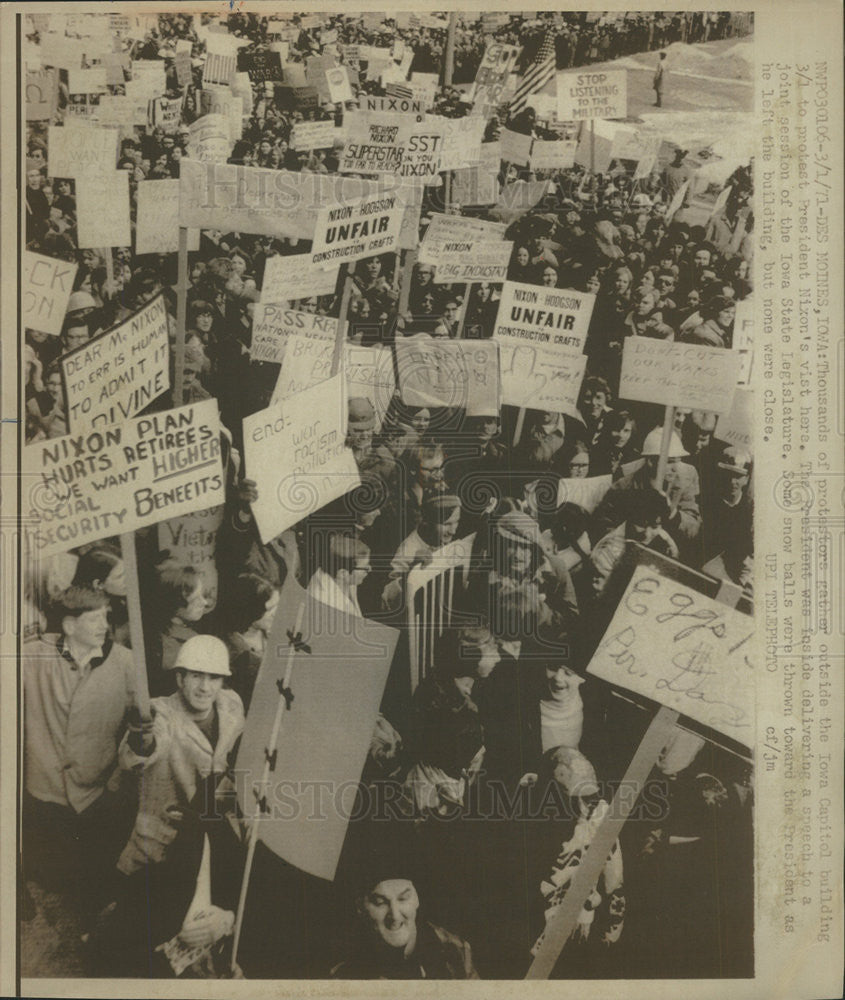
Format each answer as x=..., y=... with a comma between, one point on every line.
x=421, y=160
x=104, y=482
x=157, y=220
x=682, y=649
x=515, y=147
x=391, y=105
x=296, y=277
x=455, y=228
x=274, y=324
x=209, y=140
x=434, y=371
x=315, y=135
x=689, y=375
x=461, y=140
x=596, y=94
x=309, y=428
x=473, y=261
x=553, y=154
x=47, y=284
x=737, y=425
x=369, y=373
x=81, y=150
x=102, y=210
x=118, y=374
x=219, y=68
x=87, y=81
x=166, y=113
x=339, y=87
x=182, y=62
x=549, y=317
x=359, y=228
x=375, y=142
x=150, y=76
x=192, y=541
x=42, y=92
x=260, y=65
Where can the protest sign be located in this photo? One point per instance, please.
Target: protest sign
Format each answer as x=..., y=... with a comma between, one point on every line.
x=192, y=541
x=315, y=74
x=375, y=142
x=328, y=37
x=102, y=210
x=315, y=135
x=260, y=64
x=434, y=371
x=473, y=261
x=545, y=106
x=219, y=68
x=369, y=373
x=42, y=91
x=290, y=97
x=47, y=284
x=337, y=675
x=116, y=65
x=409, y=232
x=455, y=228
x=515, y=147
x=157, y=218
x=493, y=72
x=81, y=109
x=595, y=146
x=79, y=150
x=274, y=323
x=209, y=140
x=540, y=377
x=587, y=492
x=310, y=429
x=422, y=154
x=232, y=197
x=554, y=317
x=166, y=113
x=295, y=277
x=337, y=81
x=688, y=375
x=424, y=87
x=87, y=81
x=359, y=228
x=519, y=197
x=682, y=649
x=556, y=154
x=737, y=425
x=118, y=374
x=182, y=63
x=676, y=202
x=634, y=144
x=121, y=111
x=479, y=184
x=743, y=338
x=61, y=52
x=391, y=105
x=105, y=482
x=221, y=101
x=307, y=361
x=461, y=140
x=596, y=94
x=149, y=77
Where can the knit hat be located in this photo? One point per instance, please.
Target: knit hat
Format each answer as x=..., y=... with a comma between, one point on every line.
x=573, y=771
x=516, y=526
x=361, y=413
x=438, y=507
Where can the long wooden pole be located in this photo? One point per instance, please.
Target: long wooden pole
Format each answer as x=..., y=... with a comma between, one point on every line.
x=136, y=625
x=265, y=777
x=181, y=316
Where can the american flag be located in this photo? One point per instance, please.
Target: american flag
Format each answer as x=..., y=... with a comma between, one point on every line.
x=537, y=75
x=399, y=90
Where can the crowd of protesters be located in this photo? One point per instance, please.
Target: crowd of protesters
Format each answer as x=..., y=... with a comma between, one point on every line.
x=499, y=767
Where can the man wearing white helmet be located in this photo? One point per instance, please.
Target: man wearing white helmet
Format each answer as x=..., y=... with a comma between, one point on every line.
x=191, y=735
x=679, y=484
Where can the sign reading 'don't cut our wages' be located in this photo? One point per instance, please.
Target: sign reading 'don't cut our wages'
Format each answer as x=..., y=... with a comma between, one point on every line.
x=598, y=94
x=688, y=375
x=359, y=228
x=105, y=482
x=119, y=373
x=310, y=429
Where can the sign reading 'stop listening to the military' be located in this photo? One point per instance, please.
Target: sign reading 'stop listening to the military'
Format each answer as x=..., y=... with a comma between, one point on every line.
x=598, y=94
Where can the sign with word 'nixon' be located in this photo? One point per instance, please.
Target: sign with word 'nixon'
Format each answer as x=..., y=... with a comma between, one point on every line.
x=119, y=373
x=274, y=323
x=598, y=94
x=689, y=375
x=555, y=317
x=684, y=650
x=473, y=261
x=99, y=483
x=360, y=228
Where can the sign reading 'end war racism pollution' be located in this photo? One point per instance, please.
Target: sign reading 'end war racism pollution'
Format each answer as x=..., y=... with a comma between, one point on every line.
x=121, y=372
x=600, y=94
x=688, y=375
x=360, y=228
x=682, y=649
x=104, y=482
x=310, y=429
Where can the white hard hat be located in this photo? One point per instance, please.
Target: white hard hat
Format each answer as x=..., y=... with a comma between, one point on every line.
x=205, y=654
x=80, y=300
x=651, y=445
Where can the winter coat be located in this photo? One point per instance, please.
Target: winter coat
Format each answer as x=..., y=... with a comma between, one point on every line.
x=181, y=757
